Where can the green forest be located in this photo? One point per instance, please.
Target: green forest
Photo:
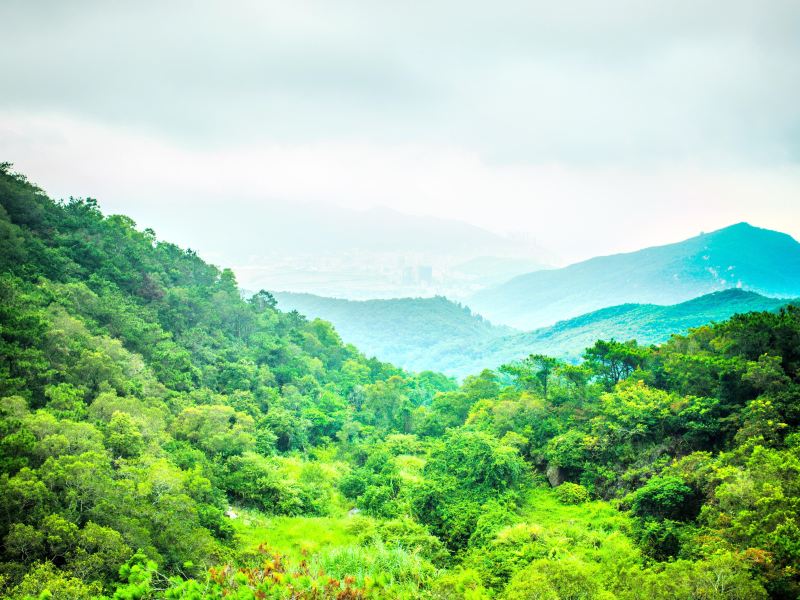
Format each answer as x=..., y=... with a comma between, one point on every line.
x=165, y=437
x=438, y=334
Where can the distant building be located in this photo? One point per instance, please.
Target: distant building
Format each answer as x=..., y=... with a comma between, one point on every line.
x=425, y=274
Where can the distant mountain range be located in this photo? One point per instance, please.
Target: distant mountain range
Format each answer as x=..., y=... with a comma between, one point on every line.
x=348, y=253
x=437, y=334
x=646, y=323
x=739, y=256
x=493, y=270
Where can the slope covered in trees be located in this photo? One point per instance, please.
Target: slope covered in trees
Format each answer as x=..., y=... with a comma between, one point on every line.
x=141, y=394
x=440, y=335
x=143, y=399
x=645, y=323
x=755, y=259
x=415, y=333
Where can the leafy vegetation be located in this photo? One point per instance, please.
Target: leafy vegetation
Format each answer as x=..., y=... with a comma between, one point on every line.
x=163, y=437
x=435, y=333
x=411, y=332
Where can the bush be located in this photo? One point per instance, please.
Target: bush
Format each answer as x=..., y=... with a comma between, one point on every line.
x=494, y=516
x=511, y=550
x=572, y=493
x=410, y=535
x=660, y=539
x=256, y=481
x=379, y=501
x=546, y=579
x=386, y=566
x=723, y=576
x=460, y=584
x=666, y=498
x=46, y=581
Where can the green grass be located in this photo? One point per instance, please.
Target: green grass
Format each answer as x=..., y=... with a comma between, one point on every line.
x=410, y=467
x=542, y=507
x=331, y=545
x=292, y=535
x=293, y=466
x=595, y=531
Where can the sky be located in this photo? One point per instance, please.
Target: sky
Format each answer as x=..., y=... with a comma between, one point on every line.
x=590, y=127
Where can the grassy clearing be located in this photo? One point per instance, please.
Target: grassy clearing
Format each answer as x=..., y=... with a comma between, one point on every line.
x=542, y=507
x=594, y=531
x=410, y=467
x=293, y=535
x=331, y=544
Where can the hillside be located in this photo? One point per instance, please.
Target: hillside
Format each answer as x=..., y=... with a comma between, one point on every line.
x=162, y=437
x=416, y=333
x=646, y=323
x=148, y=395
x=743, y=256
x=437, y=334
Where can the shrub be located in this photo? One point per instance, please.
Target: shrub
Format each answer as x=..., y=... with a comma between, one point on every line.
x=461, y=584
x=256, y=481
x=572, y=493
x=384, y=565
x=511, y=550
x=666, y=498
x=494, y=516
x=660, y=539
x=46, y=581
x=410, y=535
x=546, y=579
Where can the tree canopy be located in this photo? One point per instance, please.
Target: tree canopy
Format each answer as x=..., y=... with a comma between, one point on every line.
x=162, y=436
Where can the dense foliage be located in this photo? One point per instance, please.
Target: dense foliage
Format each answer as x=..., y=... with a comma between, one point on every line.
x=164, y=437
x=436, y=333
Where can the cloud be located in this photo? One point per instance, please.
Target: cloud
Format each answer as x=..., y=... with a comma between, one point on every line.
x=595, y=127
x=577, y=82
x=575, y=210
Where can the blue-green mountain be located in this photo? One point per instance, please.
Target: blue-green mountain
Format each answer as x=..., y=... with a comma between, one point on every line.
x=421, y=333
x=646, y=323
x=437, y=334
x=739, y=256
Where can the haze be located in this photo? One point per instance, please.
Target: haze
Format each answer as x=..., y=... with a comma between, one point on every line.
x=566, y=131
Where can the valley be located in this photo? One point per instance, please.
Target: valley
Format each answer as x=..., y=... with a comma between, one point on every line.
x=436, y=334
x=166, y=436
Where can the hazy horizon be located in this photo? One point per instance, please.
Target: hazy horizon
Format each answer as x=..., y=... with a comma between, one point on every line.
x=576, y=130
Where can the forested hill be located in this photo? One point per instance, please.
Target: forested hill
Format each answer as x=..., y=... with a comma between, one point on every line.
x=127, y=365
x=416, y=333
x=645, y=323
x=760, y=260
x=437, y=334
x=161, y=437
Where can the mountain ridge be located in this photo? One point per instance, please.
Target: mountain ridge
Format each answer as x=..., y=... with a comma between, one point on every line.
x=741, y=255
x=458, y=341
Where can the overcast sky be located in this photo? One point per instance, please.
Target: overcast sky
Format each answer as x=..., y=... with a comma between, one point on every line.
x=594, y=126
